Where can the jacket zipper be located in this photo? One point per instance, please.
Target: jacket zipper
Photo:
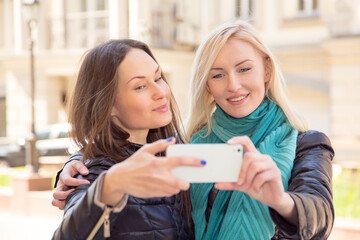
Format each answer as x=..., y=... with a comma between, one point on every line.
x=105, y=218
x=107, y=222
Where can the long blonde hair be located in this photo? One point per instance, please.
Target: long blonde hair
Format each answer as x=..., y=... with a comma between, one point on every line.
x=202, y=103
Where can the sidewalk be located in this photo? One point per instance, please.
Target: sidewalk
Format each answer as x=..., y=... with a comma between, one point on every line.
x=16, y=227
x=36, y=221
x=345, y=228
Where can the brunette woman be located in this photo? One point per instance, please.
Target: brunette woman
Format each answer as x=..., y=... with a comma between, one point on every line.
x=121, y=110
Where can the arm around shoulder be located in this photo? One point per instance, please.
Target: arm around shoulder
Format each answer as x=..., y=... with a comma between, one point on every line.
x=310, y=186
x=84, y=210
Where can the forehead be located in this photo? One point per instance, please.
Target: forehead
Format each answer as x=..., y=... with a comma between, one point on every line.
x=236, y=50
x=136, y=63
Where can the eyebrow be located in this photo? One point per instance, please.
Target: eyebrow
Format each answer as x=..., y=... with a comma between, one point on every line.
x=140, y=76
x=246, y=60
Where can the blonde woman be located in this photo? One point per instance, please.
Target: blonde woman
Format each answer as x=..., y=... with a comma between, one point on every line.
x=237, y=96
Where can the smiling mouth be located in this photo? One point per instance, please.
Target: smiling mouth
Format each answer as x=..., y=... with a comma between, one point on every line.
x=237, y=98
x=162, y=108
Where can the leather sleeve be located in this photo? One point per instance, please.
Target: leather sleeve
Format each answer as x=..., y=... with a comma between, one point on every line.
x=82, y=209
x=310, y=186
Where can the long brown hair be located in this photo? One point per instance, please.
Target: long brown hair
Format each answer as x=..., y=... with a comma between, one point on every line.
x=93, y=128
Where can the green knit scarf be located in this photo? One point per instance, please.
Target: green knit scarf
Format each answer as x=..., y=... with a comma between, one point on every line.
x=235, y=215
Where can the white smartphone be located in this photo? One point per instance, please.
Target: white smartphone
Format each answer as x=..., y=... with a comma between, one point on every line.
x=223, y=162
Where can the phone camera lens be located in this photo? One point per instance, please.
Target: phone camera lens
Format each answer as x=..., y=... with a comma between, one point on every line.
x=239, y=150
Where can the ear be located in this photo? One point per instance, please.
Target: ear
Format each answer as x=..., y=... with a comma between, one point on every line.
x=113, y=111
x=207, y=87
x=268, y=69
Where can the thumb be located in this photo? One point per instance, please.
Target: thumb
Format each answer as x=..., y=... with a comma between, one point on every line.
x=79, y=167
x=158, y=146
x=245, y=141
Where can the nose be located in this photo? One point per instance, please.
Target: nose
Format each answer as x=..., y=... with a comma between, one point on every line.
x=159, y=91
x=233, y=83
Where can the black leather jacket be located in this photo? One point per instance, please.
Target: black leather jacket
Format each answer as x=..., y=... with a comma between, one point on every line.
x=153, y=218
x=310, y=186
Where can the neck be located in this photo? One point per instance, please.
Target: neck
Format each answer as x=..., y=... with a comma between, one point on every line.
x=138, y=137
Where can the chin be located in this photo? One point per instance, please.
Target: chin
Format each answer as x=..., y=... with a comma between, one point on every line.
x=160, y=125
x=164, y=122
x=241, y=114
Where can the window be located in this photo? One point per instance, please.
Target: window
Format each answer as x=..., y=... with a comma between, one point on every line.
x=162, y=25
x=308, y=8
x=2, y=24
x=86, y=22
x=175, y=24
x=187, y=22
x=244, y=9
x=300, y=10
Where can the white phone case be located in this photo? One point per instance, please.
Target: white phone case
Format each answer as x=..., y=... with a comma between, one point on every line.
x=223, y=162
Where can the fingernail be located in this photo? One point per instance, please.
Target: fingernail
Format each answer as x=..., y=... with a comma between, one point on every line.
x=83, y=171
x=169, y=139
x=240, y=181
x=203, y=162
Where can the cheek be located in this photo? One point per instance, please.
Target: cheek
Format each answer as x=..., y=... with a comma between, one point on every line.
x=168, y=92
x=213, y=88
x=260, y=86
x=127, y=106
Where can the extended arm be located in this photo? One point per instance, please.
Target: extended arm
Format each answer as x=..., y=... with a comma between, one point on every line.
x=310, y=187
x=89, y=207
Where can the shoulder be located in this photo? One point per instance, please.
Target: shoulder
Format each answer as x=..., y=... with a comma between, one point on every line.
x=100, y=161
x=76, y=156
x=314, y=154
x=311, y=139
x=202, y=136
x=95, y=165
x=199, y=136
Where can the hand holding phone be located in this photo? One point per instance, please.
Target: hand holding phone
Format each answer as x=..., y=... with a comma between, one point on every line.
x=223, y=162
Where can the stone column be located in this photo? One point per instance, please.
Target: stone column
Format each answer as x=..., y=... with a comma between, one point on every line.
x=118, y=19
x=344, y=76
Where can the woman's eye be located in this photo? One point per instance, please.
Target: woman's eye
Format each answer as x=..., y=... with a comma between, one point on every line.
x=218, y=75
x=158, y=79
x=244, y=69
x=140, y=87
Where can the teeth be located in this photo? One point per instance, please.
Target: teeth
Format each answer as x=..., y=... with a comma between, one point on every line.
x=237, y=99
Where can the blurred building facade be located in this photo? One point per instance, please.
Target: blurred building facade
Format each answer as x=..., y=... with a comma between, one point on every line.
x=317, y=43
